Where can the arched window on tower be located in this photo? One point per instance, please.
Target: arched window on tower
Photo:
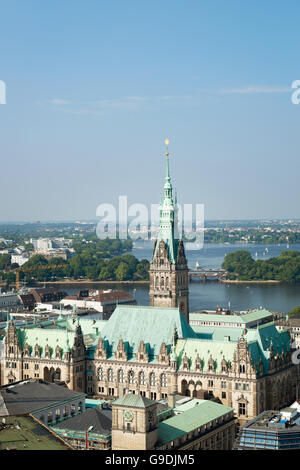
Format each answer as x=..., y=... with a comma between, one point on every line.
x=131, y=377
x=142, y=380
x=120, y=376
x=110, y=375
x=152, y=379
x=163, y=380
x=100, y=373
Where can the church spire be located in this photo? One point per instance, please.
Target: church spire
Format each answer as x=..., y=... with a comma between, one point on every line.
x=168, y=184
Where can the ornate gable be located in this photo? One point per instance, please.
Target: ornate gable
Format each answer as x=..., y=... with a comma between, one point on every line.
x=163, y=357
x=100, y=352
x=142, y=355
x=121, y=353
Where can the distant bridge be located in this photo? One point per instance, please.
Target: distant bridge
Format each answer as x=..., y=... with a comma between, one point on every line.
x=207, y=274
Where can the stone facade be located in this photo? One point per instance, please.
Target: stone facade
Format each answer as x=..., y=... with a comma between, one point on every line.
x=136, y=426
x=62, y=364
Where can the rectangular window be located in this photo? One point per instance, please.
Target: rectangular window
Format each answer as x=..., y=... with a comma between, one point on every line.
x=223, y=394
x=210, y=383
x=223, y=384
x=242, y=408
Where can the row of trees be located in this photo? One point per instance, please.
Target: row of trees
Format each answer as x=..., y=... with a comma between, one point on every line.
x=253, y=236
x=94, y=259
x=241, y=266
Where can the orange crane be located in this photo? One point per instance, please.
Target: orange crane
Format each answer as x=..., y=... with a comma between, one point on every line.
x=32, y=268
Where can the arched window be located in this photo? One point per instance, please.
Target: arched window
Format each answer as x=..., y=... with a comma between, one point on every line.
x=57, y=374
x=120, y=376
x=142, y=380
x=110, y=375
x=167, y=282
x=100, y=373
x=162, y=282
x=152, y=379
x=131, y=377
x=157, y=281
x=163, y=380
x=242, y=368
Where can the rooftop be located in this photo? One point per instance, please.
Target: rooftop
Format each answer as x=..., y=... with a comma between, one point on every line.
x=24, y=433
x=135, y=401
x=100, y=419
x=153, y=325
x=241, y=319
x=199, y=415
x=273, y=420
x=31, y=395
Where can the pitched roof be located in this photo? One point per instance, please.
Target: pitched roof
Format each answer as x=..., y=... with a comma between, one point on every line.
x=100, y=419
x=192, y=347
x=102, y=296
x=244, y=318
x=179, y=425
x=30, y=395
x=133, y=400
x=153, y=325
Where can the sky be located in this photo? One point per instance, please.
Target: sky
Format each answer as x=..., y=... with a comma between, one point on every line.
x=93, y=88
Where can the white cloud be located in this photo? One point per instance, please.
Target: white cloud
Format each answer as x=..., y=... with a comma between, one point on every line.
x=59, y=101
x=253, y=90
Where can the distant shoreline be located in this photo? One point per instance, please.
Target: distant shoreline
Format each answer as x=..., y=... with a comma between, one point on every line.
x=228, y=281
x=88, y=281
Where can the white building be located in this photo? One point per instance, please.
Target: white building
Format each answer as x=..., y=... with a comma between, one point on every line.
x=19, y=259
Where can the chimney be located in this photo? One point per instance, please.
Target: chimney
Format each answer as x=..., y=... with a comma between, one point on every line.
x=171, y=400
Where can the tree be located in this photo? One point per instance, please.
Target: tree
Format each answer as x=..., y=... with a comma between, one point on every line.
x=5, y=260
x=122, y=272
x=294, y=311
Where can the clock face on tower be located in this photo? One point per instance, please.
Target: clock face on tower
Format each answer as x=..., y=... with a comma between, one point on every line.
x=128, y=415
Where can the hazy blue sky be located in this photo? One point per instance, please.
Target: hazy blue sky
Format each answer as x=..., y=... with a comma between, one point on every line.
x=94, y=87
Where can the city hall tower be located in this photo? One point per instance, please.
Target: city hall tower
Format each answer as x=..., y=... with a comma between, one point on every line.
x=169, y=280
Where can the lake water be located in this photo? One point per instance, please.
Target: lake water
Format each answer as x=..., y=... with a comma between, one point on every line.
x=207, y=295
x=279, y=297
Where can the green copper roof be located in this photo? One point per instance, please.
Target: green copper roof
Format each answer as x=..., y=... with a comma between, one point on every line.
x=206, y=349
x=153, y=325
x=166, y=219
x=132, y=400
x=256, y=315
x=218, y=342
x=59, y=333
x=181, y=424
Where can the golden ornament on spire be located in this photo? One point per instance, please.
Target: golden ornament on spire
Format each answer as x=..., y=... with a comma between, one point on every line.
x=167, y=143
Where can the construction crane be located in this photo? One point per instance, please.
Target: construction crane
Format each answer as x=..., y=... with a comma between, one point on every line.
x=32, y=268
